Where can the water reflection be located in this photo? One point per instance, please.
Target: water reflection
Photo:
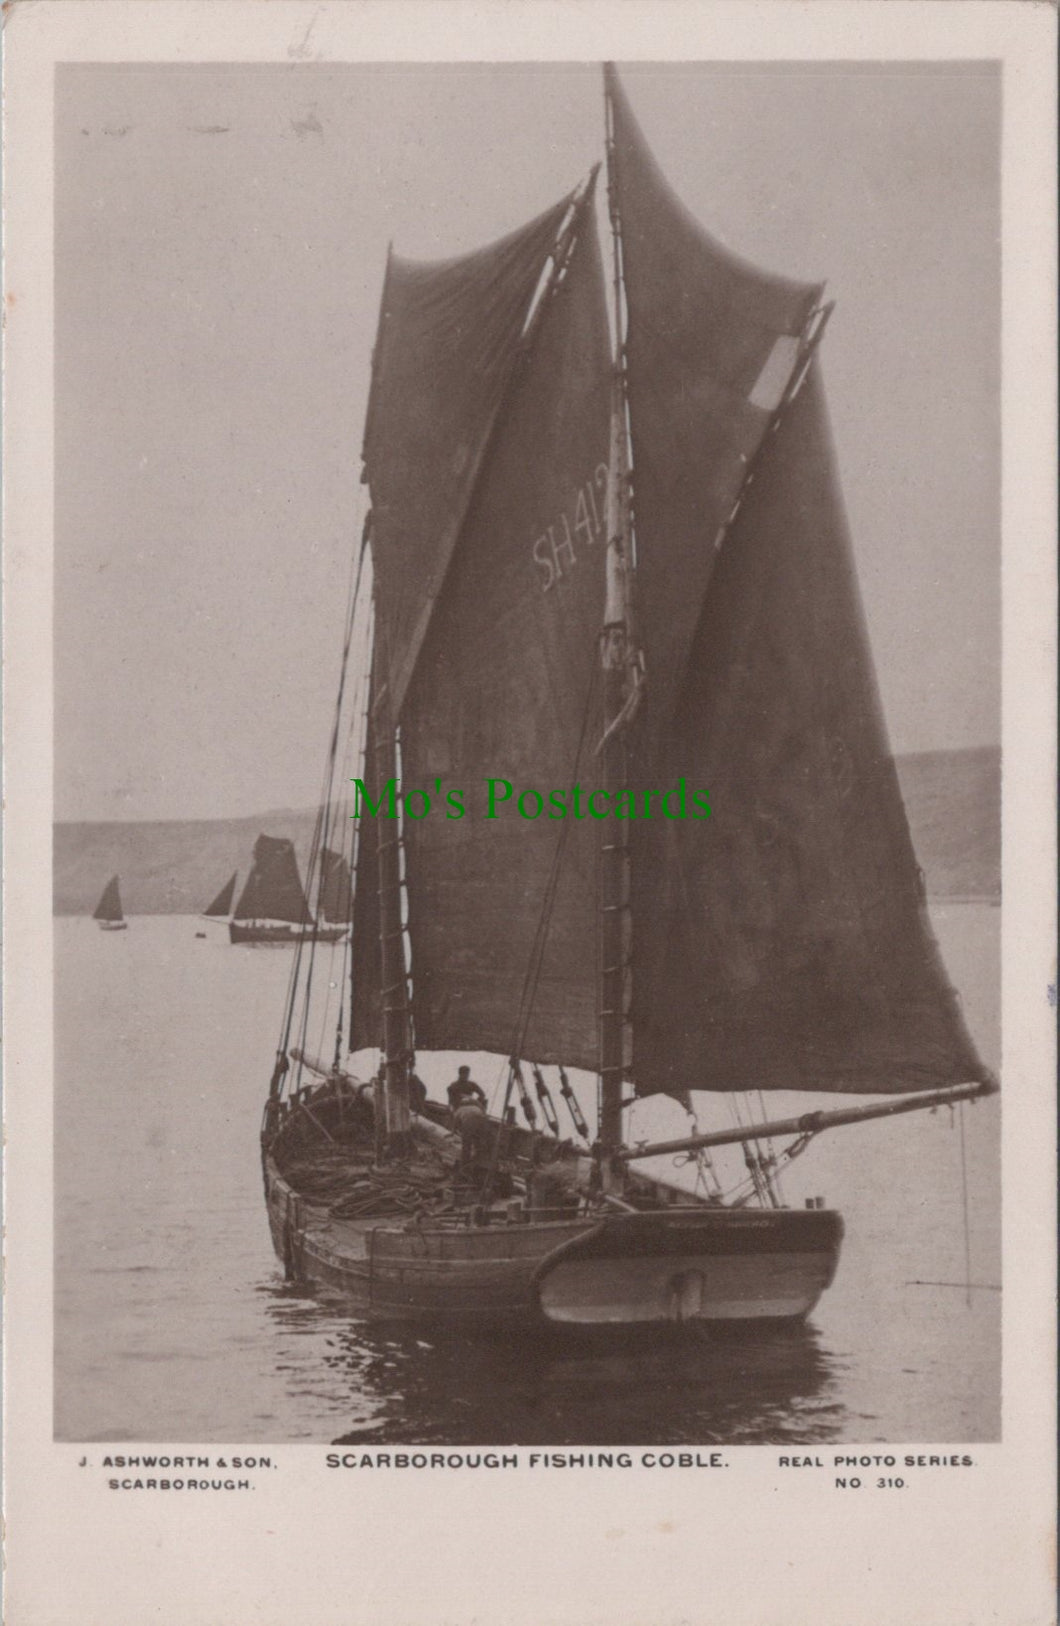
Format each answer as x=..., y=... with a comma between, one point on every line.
x=389, y=1384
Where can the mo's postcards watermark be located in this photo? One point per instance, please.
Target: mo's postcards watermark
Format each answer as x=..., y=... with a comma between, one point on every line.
x=499, y=797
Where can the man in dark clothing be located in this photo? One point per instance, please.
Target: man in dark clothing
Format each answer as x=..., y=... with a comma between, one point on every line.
x=463, y=1090
x=417, y=1093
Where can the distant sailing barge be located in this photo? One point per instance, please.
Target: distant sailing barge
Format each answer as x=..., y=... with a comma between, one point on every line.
x=273, y=907
x=782, y=944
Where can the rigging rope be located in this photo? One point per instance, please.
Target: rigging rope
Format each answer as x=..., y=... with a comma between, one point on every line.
x=322, y=824
x=964, y=1200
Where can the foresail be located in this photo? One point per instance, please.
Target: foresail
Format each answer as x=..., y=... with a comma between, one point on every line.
x=784, y=943
x=273, y=890
x=222, y=904
x=448, y=340
x=506, y=688
x=711, y=345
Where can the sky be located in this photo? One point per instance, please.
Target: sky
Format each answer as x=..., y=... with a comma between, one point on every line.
x=221, y=233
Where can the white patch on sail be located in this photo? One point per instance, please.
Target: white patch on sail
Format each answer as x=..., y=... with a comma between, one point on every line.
x=772, y=381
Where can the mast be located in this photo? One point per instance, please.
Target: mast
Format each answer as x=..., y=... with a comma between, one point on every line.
x=394, y=988
x=620, y=689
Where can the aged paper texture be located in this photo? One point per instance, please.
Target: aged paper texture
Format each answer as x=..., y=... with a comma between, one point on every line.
x=228, y=230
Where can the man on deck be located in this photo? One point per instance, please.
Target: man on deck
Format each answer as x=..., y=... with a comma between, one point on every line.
x=463, y=1091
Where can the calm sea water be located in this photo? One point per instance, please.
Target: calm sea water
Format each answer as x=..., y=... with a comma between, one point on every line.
x=173, y=1322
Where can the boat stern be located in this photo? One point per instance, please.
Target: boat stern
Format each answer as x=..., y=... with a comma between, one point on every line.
x=692, y=1265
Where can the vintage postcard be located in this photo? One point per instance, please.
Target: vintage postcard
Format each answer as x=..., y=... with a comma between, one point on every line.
x=529, y=867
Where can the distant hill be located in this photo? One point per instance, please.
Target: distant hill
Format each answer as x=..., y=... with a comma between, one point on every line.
x=175, y=867
x=169, y=867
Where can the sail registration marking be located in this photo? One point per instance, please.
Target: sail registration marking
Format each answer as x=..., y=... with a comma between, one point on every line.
x=560, y=544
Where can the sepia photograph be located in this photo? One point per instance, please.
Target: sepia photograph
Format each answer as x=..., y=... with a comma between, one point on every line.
x=529, y=840
x=527, y=752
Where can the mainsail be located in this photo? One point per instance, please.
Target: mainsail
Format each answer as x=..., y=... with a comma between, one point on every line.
x=109, y=905
x=783, y=943
x=336, y=901
x=503, y=687
x=274, y=888
x=222, y=904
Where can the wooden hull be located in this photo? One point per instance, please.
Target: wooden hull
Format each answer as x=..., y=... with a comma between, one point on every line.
x=678, y=1262
x=238, y=933
x=692, y=1264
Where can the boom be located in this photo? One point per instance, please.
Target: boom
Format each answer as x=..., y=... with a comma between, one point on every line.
x=811, y=1123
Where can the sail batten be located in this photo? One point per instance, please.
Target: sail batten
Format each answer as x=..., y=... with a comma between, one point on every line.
x=273, y=889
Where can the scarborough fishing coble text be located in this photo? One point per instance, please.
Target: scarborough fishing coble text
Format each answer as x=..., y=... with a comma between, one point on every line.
x=500, y=797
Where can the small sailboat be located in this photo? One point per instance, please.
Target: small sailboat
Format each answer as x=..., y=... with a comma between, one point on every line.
x=778, y=941
x=272, y=906
x=108, y=910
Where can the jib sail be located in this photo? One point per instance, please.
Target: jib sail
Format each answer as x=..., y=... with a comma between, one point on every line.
x=222, y=904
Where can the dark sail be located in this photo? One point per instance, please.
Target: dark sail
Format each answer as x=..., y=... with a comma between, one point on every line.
x=448, y=338
x=784, y=943
x=274, y=888
x=222, y=904
x=109, y=905
x=336, y=899
x=711, y=345
x=505, y=687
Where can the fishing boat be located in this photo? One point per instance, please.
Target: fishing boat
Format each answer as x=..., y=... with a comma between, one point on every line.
x=627, y=803
x=108, y=910
x=272, y=906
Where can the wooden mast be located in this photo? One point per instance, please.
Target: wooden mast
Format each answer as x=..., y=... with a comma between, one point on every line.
x=394, y=987
x=620, y=679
